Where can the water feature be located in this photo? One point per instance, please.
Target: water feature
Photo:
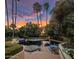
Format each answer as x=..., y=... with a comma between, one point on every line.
x=31, y=45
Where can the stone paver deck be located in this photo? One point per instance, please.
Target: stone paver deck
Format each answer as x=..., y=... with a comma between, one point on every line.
x=43, y=54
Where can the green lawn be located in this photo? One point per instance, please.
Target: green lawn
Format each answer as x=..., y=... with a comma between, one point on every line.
x=12, y=48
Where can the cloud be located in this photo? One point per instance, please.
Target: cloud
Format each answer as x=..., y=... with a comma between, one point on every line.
x=26, y=16
x=22, y=23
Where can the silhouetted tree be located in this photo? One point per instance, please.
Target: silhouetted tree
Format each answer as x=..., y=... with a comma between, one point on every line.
x=37, y=9
x=46, y=7
x=7, y=12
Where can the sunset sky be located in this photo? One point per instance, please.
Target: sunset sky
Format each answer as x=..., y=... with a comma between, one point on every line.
x=25, y=12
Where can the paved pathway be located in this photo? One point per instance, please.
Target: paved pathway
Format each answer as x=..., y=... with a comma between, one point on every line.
x=43, y=54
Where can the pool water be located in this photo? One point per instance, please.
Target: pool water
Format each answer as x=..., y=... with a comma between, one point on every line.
x=31, y=48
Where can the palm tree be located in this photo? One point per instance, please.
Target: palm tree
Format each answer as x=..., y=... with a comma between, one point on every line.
x=13, y=25
x=46, y=6
x=40, y=8
x=16, y=1
x=37, y=8
x=7, y=13
x=12, y=11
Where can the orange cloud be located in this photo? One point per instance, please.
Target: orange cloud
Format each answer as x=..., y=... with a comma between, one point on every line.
x=22, y=23
x=42, y=23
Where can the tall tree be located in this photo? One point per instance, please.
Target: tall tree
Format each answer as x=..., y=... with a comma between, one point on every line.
x=40, y=8
x=12, y=25
x=12, y=11
x=16, y=2
x=37, y=8
x=46, y=7
x=7, y=13
x=63, y=14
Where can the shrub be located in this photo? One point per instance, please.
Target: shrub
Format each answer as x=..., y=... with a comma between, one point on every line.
x=8, y=44
x=8, y=39
x=69, y=52
x=11, y=50
x=30, y=30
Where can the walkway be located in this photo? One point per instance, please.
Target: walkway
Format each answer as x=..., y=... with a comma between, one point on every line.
x=43, y=54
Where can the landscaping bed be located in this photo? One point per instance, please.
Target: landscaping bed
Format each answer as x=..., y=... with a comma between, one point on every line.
x=68, y=49
x=12, y=49
x=66, y=52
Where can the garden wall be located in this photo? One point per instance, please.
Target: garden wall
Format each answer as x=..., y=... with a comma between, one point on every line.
x=63, y=55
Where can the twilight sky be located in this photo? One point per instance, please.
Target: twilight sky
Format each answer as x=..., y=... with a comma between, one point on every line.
x=25, y=11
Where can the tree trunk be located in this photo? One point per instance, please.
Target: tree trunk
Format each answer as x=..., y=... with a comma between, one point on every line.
x=46, y=18
x=13, y=15
x=40, y=20
x=15, y=11
x=7, y=13
x=12, y=11
x=13, y=32
x=37, y=19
